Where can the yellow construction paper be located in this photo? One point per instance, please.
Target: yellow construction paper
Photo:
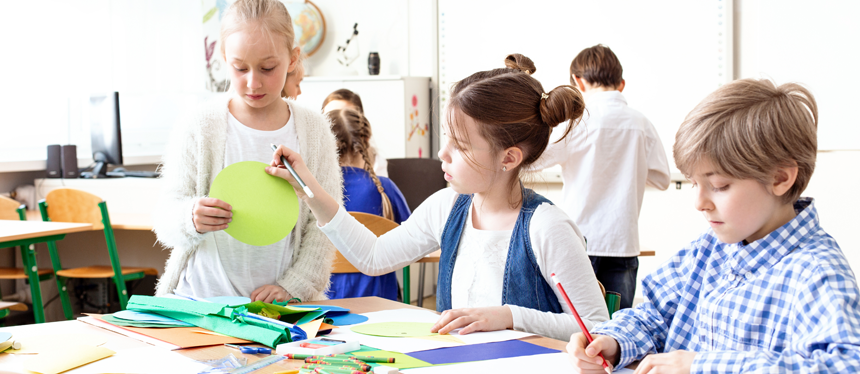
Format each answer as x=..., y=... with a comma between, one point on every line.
x=48, y=343
x=265, y=207
x=65, y=358
x=395, y=329
x=312, y=327
x=442, y=338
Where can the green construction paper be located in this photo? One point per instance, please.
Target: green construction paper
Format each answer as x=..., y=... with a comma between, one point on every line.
x=215, y=317
x=310, y=316
x=265, y=207
x=124, y=322
x=257, y=306
x=401, y=360
x=395, y=329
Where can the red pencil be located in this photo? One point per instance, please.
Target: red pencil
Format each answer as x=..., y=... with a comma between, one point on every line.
x=579, y=320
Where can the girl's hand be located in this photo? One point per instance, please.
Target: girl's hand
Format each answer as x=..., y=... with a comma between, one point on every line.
x=584, y=356
x=210, y=214
x=474, y=319
x=269, y=293
x=678, y=362
x=278, y=169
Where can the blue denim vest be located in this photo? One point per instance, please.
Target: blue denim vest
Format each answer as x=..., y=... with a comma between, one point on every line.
x=524, y=284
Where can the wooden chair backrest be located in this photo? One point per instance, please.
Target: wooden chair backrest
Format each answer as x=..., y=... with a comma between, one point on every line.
x=8, y=208
x=376, y=224
x=71, y=205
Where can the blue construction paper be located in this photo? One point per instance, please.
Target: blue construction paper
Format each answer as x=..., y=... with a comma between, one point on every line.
x=131, y=315
x=346, y=319
x=331, y=310
x=481, y=352
x=4, y=336
x=229, y=300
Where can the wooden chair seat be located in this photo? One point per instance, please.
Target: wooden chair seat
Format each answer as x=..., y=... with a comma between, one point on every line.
x=19, y=273
x=102, y=272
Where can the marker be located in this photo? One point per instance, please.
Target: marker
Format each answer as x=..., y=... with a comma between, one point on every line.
x=334, y=369
x=295, y=175
x=579, y=320
x=299, y=356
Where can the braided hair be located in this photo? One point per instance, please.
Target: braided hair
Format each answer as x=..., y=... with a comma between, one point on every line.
x=352, y=130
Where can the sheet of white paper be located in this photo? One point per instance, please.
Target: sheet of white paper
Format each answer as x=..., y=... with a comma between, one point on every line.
x=128, y=333
x=547, y=363
x=406, y=345
x=133, y=315
x=148, y=360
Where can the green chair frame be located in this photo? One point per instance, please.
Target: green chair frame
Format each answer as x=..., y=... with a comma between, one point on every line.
x=28, y=258
x=613, y=302
x=118, y=278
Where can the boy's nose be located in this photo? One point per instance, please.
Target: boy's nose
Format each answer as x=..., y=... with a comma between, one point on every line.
x=703, y=202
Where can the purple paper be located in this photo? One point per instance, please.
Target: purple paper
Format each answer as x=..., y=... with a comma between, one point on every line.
x=480, y=352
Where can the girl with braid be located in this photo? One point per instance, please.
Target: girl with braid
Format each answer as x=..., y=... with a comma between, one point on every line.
x=363, y=192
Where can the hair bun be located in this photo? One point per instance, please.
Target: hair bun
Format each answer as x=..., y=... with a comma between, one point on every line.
x=562, y=104
x=521, y=63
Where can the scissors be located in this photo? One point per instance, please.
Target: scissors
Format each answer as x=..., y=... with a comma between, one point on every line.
x=250, y=350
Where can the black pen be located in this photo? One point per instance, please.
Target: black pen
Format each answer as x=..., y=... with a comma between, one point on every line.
x=295, y=175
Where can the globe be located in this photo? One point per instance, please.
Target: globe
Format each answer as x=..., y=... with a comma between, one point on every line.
x=308, y=24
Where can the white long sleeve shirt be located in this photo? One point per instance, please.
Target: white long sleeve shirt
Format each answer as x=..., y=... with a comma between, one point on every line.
x=556, y=242
x=606, y=162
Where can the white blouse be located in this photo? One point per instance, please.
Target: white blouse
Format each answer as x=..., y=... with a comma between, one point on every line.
x=556, y=242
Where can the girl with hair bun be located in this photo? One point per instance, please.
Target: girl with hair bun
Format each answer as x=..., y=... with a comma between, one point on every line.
x=257, y=43
x=500, y=242
x=363, y=191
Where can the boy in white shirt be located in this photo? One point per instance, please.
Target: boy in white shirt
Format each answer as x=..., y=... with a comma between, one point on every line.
x=606, y=166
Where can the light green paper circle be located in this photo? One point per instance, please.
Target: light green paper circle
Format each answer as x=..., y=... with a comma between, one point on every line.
x=395, y=329
x=265, y=207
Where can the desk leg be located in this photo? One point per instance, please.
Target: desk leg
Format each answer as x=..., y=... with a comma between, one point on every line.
x=28, y=257
x=421, y=271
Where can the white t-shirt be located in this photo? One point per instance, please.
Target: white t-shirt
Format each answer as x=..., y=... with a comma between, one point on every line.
x=222, y=265
x=606, y=162
x=556, y=243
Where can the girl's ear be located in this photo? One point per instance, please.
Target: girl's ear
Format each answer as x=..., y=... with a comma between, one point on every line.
x=294, y=59
x=512, y=158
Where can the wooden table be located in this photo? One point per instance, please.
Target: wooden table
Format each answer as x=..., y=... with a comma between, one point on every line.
x=24, y=233
x=356, y=305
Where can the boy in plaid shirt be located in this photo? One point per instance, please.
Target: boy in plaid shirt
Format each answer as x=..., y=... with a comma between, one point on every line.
x=765, y=289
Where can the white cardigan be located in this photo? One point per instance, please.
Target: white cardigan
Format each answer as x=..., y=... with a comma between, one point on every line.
x=194, y=157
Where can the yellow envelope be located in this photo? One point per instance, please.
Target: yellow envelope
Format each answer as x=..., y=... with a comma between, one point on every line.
x=65, y=358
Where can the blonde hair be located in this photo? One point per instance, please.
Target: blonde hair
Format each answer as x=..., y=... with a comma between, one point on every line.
x=272, y=17
x=352, y=130
x=749, y=128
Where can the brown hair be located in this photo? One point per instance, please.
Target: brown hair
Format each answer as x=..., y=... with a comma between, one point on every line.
x=598, y=65
x=512, y=109
x=345, y=95
x=272, y=17
x=352, y=130
x=299, y=70
x=750, y=127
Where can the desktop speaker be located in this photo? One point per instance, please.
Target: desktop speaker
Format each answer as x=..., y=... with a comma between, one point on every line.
x=70, y=162
x=53, y=167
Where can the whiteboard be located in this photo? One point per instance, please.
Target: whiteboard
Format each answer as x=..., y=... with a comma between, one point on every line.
x=674, y=52
x=816, y=44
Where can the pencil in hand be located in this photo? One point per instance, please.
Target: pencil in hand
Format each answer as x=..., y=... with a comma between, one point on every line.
x=579, y=321
x=294, y=174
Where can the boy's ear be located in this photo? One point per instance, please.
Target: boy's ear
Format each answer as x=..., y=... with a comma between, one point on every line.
x=579, y=83
x=620, y=87
x=784, y=178
x=513, y=158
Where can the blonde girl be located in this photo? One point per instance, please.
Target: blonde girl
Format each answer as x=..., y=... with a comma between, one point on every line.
x=257, y=45
x=500, y=242
x=363, y=191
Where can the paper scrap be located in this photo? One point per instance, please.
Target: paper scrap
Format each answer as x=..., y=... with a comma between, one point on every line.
x=47, y=343
x=547, y=363
x=480, y=352
x=65, y=358
x=265, y=207
x=311, y=328
x=442, y=338
x=395, y=329
x=144, y=360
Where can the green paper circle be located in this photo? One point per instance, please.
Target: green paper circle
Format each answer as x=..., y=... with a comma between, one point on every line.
x=265, y=207
x=395, y=329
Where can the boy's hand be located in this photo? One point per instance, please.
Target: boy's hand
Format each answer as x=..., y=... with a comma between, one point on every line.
x=584, y=356
x=211, y=214
x=678, y=362
x=270, y=293
x=474, y=319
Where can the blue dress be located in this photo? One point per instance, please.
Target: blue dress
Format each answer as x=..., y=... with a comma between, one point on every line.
x=360, y=195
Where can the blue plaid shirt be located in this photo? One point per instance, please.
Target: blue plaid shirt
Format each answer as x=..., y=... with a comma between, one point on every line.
x=785, y=303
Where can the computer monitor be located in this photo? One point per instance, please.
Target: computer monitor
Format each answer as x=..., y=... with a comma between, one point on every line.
x=105, y=132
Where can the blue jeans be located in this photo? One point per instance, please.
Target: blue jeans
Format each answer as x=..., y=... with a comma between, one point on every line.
x=618, y=274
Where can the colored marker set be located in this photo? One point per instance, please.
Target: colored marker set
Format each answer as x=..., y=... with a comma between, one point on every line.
x=338, y=364
x=318, y=347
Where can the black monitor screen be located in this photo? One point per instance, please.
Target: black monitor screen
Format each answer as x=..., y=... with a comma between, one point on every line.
x=104, y=129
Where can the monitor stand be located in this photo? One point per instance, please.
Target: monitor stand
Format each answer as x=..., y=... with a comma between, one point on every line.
x=100, y=170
